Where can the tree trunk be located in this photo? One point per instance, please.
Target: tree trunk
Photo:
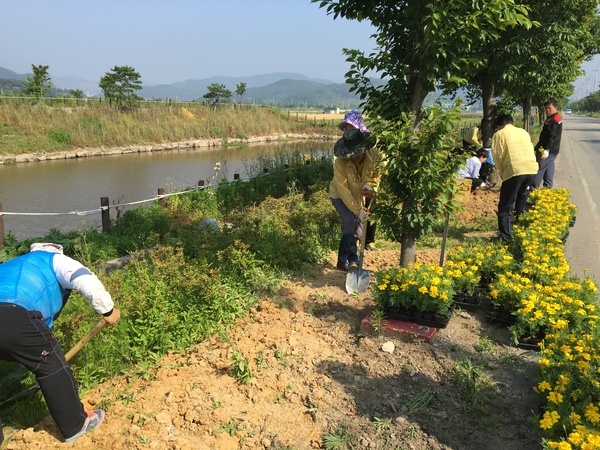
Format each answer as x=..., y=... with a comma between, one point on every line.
x=541, y=114
x=408, y=249
x=527, y=125
x=489, y=109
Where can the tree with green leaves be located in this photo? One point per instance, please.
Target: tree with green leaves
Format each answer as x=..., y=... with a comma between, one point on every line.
x=38, y=83
x=528, y=65
x=419, y=46
x=216, y=93
x=119, y=86
x=549, y=57
x=76, y=93
x=240, y=90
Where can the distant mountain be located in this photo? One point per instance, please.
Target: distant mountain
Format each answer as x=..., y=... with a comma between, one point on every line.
x=10, y=75
x=280, y=88
x=195, y=89
x=295, y=93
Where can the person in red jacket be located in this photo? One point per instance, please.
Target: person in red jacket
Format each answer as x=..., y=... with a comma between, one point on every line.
x=548, y=146
x=33, y=290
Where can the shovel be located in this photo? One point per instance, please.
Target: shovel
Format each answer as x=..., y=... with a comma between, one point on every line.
x=358, y=280
x=78, y=346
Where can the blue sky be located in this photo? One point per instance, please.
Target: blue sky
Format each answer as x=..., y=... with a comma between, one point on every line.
x=175, y=40
x=168, y=41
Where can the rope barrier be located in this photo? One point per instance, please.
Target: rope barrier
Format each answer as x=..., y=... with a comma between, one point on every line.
x=97, y=210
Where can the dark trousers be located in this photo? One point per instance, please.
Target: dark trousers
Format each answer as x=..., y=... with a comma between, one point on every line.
x=546, y=172
x=475, y=183
x=513, y=197
x=26, y=339
x=351, y=231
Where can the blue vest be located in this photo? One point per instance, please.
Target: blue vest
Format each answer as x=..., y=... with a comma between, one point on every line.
x=30, y=282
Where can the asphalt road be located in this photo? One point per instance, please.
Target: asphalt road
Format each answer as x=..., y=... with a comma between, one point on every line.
x=578, y=169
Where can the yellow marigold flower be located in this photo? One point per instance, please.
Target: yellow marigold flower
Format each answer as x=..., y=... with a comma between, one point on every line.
x=555, y=397
x=423, y=289
x=543, y=362
x=394, y=287
x=549, y=419
x=594, y=439
x=433, y=291
x=575, y=418
x=560, y=324
x=544, y=386
x=591, y=413
x=564, y=446
x=382, y=287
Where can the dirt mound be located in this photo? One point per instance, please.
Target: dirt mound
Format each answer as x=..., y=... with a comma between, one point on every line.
x=299, y=372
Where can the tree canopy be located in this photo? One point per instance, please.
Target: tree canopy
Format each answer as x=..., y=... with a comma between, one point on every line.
x=216, y=93
x=38, y=83
x=240, y=89
x=119, y=86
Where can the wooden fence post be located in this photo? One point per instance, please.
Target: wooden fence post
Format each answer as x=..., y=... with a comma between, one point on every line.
x=1, y=228
x=105, y=214
x=162, y=201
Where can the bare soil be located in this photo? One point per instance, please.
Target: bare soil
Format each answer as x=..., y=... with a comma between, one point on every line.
x=315, y=375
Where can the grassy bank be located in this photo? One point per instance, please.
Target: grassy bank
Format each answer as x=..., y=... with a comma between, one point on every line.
x=40, y=128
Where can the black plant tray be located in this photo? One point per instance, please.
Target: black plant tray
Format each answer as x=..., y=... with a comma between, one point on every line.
x=500, y=317
x=428, y=319
x=573, y=220
x=531, y=342
x=466, y=301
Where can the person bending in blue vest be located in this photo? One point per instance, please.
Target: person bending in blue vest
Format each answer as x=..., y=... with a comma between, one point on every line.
x=34, y=288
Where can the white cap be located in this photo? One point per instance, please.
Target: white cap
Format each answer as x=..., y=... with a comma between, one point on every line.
x=46, y=247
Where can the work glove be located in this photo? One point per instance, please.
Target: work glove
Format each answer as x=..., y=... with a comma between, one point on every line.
x=113, y=317
x=367, y=191
x=544, y=155
x=362, y=215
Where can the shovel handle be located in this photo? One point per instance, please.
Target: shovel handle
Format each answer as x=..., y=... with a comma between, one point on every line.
x=85, y=339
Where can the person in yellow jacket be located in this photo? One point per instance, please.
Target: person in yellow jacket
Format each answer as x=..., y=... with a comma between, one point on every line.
x=515, y=160
x=355, y=176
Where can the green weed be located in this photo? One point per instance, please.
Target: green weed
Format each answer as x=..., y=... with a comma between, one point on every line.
x=419, y=402
x=231, y=428
x=281, y=357
x=240, y=368
x=380, y=424
x=339, y=439
x=476, y=388
x=485, y=345
x=378, y=321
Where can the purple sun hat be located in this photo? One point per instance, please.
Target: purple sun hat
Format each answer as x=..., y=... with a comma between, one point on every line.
x=355, y=119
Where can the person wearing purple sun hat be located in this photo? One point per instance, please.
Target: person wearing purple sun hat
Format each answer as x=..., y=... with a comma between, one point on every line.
x=353, y=119
x=355, y=178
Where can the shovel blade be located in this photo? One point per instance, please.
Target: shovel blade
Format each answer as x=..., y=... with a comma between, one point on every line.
x=357, y=281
